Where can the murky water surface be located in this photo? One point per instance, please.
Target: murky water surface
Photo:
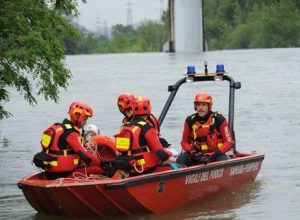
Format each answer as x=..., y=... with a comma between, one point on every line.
x=267, y=120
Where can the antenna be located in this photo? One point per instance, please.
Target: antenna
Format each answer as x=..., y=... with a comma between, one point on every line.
x=129, y=13
x=105, y=28
x=98, y=23
x=101, y=26
x=160, y=9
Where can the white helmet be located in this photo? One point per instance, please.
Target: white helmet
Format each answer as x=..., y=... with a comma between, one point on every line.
x=92, y=128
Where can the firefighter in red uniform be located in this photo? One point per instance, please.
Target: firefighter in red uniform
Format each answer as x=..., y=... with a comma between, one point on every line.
x=125, y=106
x=206, y=135
x=125, y=102
x=63, y=152
x=138, y=142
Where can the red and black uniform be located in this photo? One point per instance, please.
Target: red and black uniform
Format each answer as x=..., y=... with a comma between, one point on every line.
x=139, y=143
x=206, y=134
x=151, y=119
x=127, y=120
x=154, y=122
x=66, y=147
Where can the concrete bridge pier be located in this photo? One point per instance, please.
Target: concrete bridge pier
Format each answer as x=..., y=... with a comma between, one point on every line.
x=185, y=26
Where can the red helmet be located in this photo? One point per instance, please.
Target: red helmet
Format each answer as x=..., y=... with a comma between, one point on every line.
x=141, y=106
x=125, y=101
x=78, y=111
x=204, y=97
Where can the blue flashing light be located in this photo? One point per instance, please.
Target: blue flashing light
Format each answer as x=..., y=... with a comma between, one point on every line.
x=220, y=68
x=191, y=70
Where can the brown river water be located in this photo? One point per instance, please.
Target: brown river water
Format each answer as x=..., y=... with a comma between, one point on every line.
x=267, y=120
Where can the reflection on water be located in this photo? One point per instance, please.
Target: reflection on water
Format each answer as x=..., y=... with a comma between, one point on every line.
x=223, y=205
x=42, y=216
x=219, y=206
x=267, y=120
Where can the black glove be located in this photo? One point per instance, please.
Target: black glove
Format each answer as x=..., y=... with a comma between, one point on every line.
x=122, y=163
x=162, y=155
x=215, y=155
x=108, y=169
x=196, y=155
x=203, y=160
x=164, y=142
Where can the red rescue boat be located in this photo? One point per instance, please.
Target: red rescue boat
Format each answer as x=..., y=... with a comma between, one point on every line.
x=148, y=193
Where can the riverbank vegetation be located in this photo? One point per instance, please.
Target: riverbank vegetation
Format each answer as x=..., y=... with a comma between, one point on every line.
x=242, y=24
x=31, y=53
x=148, y=36
x=228, y=24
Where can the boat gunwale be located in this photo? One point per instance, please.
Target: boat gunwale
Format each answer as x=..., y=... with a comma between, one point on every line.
x=185, y=171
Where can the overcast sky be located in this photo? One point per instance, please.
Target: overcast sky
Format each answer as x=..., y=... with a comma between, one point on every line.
x=115, y=12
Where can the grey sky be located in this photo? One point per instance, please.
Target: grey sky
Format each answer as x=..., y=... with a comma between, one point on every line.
x=115, y=11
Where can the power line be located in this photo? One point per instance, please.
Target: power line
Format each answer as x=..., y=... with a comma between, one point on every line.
x=160, y=8
x=101, y=26
x=129, y=13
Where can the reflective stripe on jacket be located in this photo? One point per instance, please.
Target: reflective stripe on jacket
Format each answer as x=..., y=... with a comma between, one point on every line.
x=131, y=142
x=205, y=136
x=54, y=143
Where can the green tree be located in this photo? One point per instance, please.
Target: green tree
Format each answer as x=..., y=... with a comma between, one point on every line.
x=31, y=53
x=251, y=23
x=149, y=36
x=121, y=29
x=276, y=25
x=153, y=34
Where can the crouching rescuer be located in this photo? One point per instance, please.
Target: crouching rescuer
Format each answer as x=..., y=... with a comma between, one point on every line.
x=138, y=142
x=63, y=154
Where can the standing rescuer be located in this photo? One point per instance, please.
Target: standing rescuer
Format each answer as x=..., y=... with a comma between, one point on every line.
x=63, y=148
x=138, y=142
x=206, y=135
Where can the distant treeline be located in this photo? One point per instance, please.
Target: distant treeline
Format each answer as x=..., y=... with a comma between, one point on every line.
x=233, y=24
x=228, y=24
x=149, y=36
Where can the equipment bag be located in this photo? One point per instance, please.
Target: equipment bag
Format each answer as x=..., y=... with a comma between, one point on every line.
x=124, y=162
x=43, y=160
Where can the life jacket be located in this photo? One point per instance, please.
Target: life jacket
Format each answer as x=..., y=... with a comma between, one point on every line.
x=205, y=136
x=130, y=141
x=54, y=144
x=106, y=147
x=153, y=121
x=126, y=120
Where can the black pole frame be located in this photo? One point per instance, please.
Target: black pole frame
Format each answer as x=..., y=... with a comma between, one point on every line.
x=198, y=78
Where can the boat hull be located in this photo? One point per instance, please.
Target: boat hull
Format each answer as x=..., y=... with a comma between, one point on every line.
x=149, y=193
